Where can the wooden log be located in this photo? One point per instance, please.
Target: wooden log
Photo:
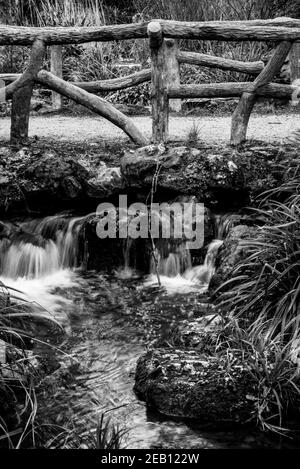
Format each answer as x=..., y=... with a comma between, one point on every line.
x=22, y=95
x=2, y=92
x=295, y=62
x=205, y=60
x=20, y=113
x=9, y=77
x=57, y=70
x=230, y=90
x=226, y=31
x=155, y=34
x=18, y=35
x=94, y=103
x=285, y=28
x=30, y=74
x=115, y=83
x=241, y=115
x=159, y=96
x=172, y=71
x=205, y=90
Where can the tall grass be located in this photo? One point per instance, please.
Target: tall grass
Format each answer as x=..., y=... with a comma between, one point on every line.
x=18, y=375
x=263, y=296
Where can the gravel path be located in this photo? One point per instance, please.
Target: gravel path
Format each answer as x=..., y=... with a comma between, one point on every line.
x=212, y=130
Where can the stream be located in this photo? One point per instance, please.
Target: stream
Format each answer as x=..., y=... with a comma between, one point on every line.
x=109, y=320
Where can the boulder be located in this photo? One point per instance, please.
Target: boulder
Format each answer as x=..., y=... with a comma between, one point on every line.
x=60, y=177
x=185, y=383
x=201, y=333
x=184, y=170
x=219, y=176
x=232, y=252
x=107, y=182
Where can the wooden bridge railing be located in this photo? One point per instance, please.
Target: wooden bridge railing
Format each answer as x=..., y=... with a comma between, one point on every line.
x=164, y=73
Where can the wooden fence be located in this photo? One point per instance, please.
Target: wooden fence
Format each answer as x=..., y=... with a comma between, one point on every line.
x=166, y=58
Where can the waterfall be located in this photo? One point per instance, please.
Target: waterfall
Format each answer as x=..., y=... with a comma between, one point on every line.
x=36, y=249
x=175, y=262
x=203, y=273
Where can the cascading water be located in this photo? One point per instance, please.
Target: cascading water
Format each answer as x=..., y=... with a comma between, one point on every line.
x=175, y=262
x=40, y=255
x=40, y=248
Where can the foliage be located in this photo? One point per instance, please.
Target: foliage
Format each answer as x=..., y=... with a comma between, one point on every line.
x=264, y=292
x=18, y=374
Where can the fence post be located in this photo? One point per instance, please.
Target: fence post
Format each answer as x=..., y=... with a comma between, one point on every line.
x=20, y=112
x=56, y=69
x=159, y=94
x=295, y=61
x=172, y=71
x=22, y=97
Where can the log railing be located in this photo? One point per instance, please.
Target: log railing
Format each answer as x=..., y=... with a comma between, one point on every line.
x=164, y=74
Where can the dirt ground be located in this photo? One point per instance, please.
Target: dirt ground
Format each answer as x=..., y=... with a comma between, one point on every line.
x=268, y=128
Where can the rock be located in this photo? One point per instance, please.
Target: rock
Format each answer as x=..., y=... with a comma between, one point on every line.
x=181, y=383
x=200, y=334
x=232, y=252
x=59, y=177
x=183, y=170
x=107, y=182
x=5, y=152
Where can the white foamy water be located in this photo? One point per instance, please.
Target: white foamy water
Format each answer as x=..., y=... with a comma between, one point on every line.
x=177, y=275
x=177, y=284
x=41, y=290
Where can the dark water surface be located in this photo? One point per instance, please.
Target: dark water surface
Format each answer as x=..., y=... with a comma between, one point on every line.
x=109, y=322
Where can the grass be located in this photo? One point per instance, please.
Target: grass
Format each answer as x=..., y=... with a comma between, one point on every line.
x=18, y=375
x=107, y=436
x=263, y=298
x=193, y=136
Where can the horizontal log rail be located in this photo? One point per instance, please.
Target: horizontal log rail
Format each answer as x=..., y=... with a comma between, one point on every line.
x=25, y=36
x=230, y=90
x=116, y=84
x=260, y=30
x=205, y=60
x=228, y=31
x=95, y=87
x=207, y=90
